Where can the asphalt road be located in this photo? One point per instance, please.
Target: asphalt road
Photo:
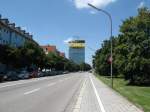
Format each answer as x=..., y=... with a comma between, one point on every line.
x=48, y=94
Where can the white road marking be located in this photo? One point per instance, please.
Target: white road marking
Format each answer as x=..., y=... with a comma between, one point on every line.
x=28, y=81
x=32, y=91
x=66, y=78
x=79, y=99
x=97, y=96
x=51, y=84
x=60, y=80
x=13, y=84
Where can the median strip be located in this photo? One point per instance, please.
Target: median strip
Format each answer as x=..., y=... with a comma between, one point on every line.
x=79, y=100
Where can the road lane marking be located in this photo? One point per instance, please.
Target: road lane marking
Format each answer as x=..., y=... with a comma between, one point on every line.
x=13, y=84
x=79, y=99
x=97, y=96
x=61, y=80
x=30, y=81
x=66, y=78
x=34, y=80
x=32, y=91
x=51, y=84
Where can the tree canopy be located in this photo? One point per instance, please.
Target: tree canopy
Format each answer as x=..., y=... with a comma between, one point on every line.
x=131, y=50
x=32, y=56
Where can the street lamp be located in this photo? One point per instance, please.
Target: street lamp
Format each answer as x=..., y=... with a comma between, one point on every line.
x=110, y=18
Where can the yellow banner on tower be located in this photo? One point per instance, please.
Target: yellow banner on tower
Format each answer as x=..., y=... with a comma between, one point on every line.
x=77, y=45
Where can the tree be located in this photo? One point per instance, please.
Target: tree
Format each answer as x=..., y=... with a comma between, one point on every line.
x=101, y=59
x=25, y=56
x=131, y=50
x=136, y=33
x=85, y=67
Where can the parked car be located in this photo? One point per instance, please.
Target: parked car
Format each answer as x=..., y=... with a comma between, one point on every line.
x=90, y=71
x=34, y=74
x=41, y=74
x=1, y=77
x=11, y=76
x=24, y=75
x=65, y=72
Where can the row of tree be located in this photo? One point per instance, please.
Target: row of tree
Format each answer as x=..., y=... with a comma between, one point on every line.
x=59, y=63
x=131, y=50
x=31, y=56
x=27, y=56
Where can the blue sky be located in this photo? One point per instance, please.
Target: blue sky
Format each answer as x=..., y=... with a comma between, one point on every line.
x=54, y=21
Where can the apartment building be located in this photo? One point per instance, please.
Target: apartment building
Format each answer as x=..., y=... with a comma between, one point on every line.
x=52, y=49
x=12, y=35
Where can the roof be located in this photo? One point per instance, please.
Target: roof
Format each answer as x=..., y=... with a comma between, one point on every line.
x=49, y=48
x=11, y=26
x=77, y=41
x=62, y=54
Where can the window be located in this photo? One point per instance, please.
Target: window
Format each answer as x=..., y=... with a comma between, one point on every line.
x=6, y=42
x=3, y=41
x=15, y=36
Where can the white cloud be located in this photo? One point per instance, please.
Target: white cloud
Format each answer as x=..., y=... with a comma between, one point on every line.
x=93, y=12
x=68, y=40
x=80, y=4
x=142, y=4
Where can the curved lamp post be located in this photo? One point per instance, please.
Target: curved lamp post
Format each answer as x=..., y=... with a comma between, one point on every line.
x=110, y=18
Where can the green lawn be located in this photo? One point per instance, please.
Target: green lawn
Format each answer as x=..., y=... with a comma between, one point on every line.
x=140, y=96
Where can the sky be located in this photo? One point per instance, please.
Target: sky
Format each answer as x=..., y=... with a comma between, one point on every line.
x=54, y=22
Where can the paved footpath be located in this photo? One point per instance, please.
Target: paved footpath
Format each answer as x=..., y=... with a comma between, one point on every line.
x=95, y=96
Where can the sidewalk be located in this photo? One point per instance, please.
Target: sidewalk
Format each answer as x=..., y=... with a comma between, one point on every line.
x=95, y=96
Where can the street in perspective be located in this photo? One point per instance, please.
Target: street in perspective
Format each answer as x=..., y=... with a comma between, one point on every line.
x=75, y=56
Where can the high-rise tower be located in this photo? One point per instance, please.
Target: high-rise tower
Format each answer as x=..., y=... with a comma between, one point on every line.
x=77, y=51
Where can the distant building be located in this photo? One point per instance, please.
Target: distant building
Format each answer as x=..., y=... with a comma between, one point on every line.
x=49, y=48
x=77, y=51
x=52, y=49
x=62, y=54
x=12, y=35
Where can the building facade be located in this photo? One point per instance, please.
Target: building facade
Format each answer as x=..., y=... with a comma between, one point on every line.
x=62, y=54
x=49, y=49
x=12, y=35
x=77, y=51
x=52, y=49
